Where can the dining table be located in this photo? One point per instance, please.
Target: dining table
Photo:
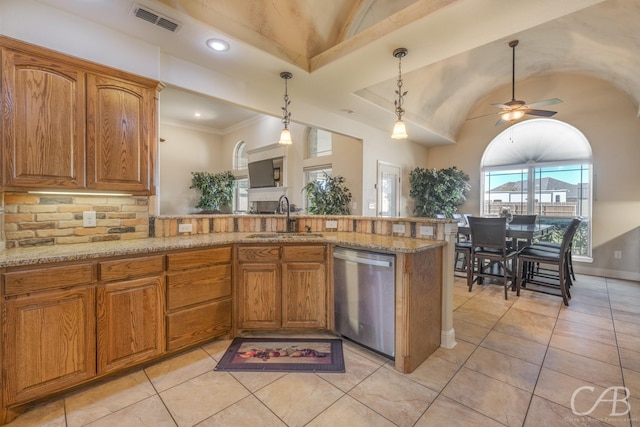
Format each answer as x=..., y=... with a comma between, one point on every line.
x=526, y=232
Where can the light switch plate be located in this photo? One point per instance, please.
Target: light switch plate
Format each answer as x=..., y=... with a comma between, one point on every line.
x=185, y=228
x=331, y=224
x=398, y=228
x=426, y=230
x=89, y=219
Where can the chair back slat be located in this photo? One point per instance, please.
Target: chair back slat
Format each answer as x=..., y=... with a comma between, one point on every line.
x=524, y=219
x=567, y=238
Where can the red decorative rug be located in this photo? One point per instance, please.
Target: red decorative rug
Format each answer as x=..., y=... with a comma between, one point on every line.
x=283, y=355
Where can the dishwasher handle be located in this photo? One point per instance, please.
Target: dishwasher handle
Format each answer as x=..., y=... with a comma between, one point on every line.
x=350, y=256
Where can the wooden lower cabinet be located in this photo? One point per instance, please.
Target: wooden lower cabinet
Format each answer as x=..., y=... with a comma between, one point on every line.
x=273, y=291
x=198, y=296
x=49, y=342
x=130, y=323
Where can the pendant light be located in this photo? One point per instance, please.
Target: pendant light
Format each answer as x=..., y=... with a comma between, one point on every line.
x=285, y=135
x=399, y=128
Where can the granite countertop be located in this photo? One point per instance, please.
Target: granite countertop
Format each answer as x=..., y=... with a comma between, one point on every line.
x=77, y=252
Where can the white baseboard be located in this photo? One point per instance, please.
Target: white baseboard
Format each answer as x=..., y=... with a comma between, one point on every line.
x=604, y=272
x=448, y=339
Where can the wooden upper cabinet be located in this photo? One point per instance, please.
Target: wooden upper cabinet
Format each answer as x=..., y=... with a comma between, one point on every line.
x=119, y=118
x=43, y=122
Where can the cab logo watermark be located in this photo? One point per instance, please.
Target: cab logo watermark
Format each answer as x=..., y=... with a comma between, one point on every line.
x=616, y=396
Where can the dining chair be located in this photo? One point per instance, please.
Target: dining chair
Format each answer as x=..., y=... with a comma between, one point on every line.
x=551, y=269
x=492, y=258
x=524, y=219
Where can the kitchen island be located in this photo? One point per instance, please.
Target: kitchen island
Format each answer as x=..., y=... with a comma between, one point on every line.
x=185, y=290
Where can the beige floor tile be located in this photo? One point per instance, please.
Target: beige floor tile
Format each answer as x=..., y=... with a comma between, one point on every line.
x=515, y=346
x=587, y=319
x=635, y=411
x=444, y=412
x=545, y=413
x=490, y=303
x=476, y=316
x=150, y=412
x=630, y=359
x=546, y=305
x=585, y=296
x=589, y=370
x=254, y=381
x=435, y=372
x=495, y=399
x=632, y=382
x=626, y=317
x=217, y=348
x=626, y=303
x=180, y=368
x=298, y=398
x=394, y=396
x=468, y=331
x=48, y=414
x=560, y=388
x=349, y=412
x=577, y=306
x=357, y=368
x=106, y=398
x=355, y=348
x=525, y=324
x=584, y=347
x=202, y=396
x=247, y=412
x=628, y=341
x=504, y=368
x=627, y=328
x=579, y=330
x=458, y=354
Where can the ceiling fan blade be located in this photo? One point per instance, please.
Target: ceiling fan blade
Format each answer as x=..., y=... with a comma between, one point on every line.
x=543, y=113
x=503, y=106
x=500, y=122
x=545, y=102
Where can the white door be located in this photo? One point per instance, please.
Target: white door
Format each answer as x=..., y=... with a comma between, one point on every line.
x=388, y=186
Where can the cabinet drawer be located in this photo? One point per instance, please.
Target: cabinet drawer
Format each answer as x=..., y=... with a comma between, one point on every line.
x=198, y=286
x=200, y=258
x=258, y=253
x=129, y=268
x=197, y=324
x=39, y=279
x=304, y=253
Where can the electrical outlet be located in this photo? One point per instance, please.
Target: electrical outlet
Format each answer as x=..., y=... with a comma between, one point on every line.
x=185, y=228
x=617, y=254
x=426, y=230
x=89, y=219
x=331, y=224
x=398, y=228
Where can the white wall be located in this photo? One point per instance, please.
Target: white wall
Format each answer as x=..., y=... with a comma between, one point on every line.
x=183, y=151
x=607, y=117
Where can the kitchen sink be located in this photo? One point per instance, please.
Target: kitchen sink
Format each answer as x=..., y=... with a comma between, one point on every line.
x=284, y=235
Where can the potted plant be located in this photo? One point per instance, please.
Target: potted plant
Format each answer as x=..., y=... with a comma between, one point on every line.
x=216, y=188
x=438, y=191
x=328, y=196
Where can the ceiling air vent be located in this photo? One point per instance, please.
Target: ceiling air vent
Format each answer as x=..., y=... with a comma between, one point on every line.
x=155, y=18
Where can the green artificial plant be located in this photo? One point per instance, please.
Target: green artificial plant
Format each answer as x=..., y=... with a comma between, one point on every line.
x=328, y=196
x=216, y=188
x=438, y=191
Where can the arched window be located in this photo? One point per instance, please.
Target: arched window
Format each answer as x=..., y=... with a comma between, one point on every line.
x=240, y=158
x=543, y=167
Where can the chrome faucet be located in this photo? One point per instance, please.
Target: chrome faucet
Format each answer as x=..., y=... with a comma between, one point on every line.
x=290, y=222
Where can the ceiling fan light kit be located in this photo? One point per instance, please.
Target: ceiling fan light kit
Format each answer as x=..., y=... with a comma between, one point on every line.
x=399, y=128
x=516, y=109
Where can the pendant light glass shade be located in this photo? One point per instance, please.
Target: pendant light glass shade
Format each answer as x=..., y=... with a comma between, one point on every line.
x=399, y=130
x=509, y=116
x=285, y=137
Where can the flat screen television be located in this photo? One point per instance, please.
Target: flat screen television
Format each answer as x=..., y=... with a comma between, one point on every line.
x=261, y=174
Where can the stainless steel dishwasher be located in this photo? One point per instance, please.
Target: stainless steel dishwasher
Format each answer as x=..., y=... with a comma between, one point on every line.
x=364, y=305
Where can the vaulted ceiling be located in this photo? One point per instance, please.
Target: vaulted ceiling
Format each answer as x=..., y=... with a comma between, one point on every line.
x=340, y=51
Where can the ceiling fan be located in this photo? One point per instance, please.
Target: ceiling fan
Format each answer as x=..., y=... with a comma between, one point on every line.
x=516, y=109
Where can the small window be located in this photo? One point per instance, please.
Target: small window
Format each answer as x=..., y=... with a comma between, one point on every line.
x=318, y=143
x=315, y=174
x=240, y=158
x=241, y=195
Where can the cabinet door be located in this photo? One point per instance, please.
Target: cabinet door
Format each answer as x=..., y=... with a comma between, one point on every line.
x=304, y=302
x=130, y=322
x=43, y=122
x=119, y=131
x=259, y=296
x=50, y=343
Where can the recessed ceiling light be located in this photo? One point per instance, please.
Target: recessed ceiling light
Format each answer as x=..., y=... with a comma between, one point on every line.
x=218, y=45
x=197, y=114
